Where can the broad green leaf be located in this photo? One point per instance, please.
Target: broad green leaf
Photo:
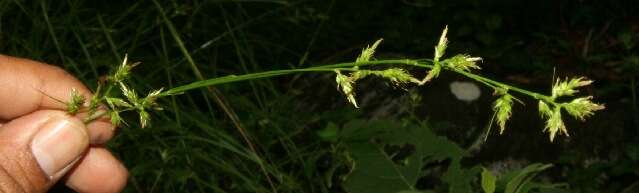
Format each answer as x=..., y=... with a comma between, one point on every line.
x=376, y=172
x=488, y=181
x=460, y=179
x=518, y=183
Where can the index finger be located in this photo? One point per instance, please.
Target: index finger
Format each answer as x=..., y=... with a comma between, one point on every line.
x=27, y=86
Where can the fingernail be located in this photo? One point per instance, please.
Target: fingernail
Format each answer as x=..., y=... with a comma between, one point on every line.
x=58, y=143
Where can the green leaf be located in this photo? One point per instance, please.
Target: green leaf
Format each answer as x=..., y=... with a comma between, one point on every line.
x=329, y=133
x=519, y=183
x=460, y=179
x=375, y=171
x=488, y=181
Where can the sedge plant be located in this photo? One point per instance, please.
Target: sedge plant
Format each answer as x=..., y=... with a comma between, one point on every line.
x=346, y=77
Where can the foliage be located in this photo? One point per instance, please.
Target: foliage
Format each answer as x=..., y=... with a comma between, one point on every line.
x=488, y=181
x=596, y=175
x=378, y=167
x=376, y=170
x=200, y=141
x=519, y=181
x=405, y=176
x=117, y=105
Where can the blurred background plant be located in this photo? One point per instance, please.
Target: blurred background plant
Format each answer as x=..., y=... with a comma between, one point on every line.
x=290, y=129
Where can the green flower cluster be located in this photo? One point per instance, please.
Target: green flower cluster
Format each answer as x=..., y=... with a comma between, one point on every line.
x=115, y=103
x=580, y=108
x=549, y=108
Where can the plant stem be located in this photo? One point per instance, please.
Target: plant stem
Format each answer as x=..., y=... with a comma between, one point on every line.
x=348, y=66
x=94, y=117
x=424, y=63
x=485, y=80
x=100, y=114
x=267, y=74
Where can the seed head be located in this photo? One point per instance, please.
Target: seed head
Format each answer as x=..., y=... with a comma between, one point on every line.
x=503, y=108
x=345, y=84
x=568, y=88
x=397, y=76
x=76, y=102
x=440, y=49
x=123, y=71
x=130, y=94
x=115, y=118
x=367, y=53
x=582, y=107
x=117, y=103
x=145, y=118
x=433, y=73
x=149, y=100
x=462, y=62
x=554, y=124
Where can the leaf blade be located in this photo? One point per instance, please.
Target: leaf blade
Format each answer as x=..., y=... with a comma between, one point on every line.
x=488, y=181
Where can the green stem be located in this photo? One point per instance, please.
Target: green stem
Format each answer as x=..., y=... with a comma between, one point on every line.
x=424, y=63
x=274, y=73
x=109, y=88
x=94, y=117
x=494, y=84
x=485, y=80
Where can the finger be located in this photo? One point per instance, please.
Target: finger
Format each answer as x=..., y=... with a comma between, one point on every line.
x=27, y=86
x=98, y=172
x=100, y=130
x=36, y=150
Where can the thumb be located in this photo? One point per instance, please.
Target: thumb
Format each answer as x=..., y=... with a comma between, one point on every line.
x=37, y=149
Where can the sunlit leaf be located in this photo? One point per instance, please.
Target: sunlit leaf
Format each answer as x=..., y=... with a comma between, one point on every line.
x=488, y=181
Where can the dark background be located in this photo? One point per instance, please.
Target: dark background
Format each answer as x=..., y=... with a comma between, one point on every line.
x=193, y=146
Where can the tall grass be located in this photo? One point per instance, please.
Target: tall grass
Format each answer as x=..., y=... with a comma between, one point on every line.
x=204, y=141
x=248, y=137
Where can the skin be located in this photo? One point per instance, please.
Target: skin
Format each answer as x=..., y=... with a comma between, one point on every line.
x=28, y=90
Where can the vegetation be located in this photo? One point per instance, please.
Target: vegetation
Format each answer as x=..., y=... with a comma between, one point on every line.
x=197, y=133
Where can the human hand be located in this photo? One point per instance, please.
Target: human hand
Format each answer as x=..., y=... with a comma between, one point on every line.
x=40, y=143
